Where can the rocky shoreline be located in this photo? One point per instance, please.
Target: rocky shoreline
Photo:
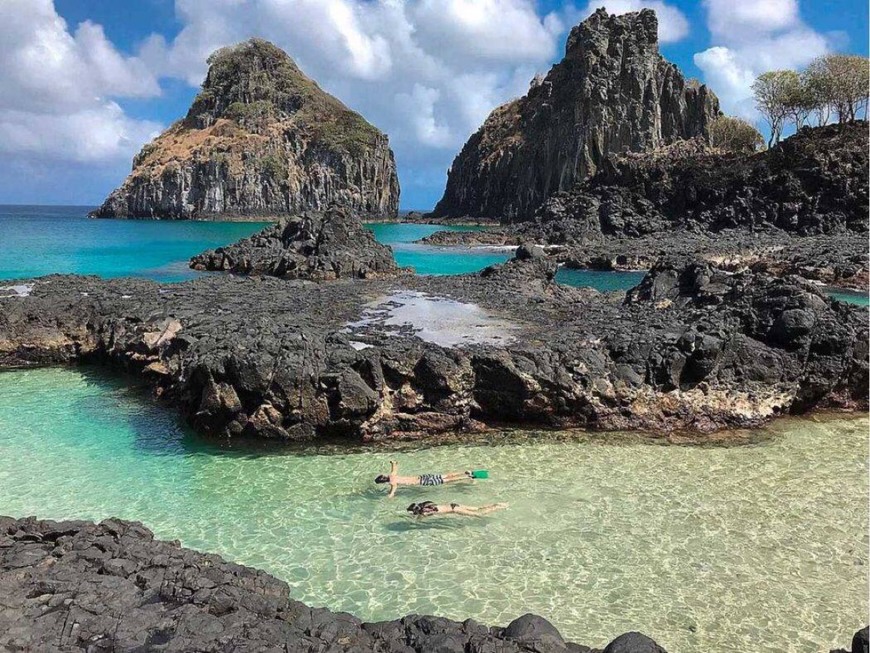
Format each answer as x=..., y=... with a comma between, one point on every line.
x=693, y=347
x=76, y=585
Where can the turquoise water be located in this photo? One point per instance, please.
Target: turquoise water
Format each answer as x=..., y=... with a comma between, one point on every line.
x=38, y=240
x=850, y=297
x=759, y=547
x=603, y=281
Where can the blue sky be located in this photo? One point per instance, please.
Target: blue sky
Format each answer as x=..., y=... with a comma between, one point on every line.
x=85, y=83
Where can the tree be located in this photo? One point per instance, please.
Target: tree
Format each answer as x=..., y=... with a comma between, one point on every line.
x=735, y=135
x=797, y=98
x=771, y=92
x=839, y=82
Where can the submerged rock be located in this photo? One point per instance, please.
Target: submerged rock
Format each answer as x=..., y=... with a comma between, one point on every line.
x=260, y=140
x=329, y=245
x=613, y=92
x=693, y=347
x=75, y=585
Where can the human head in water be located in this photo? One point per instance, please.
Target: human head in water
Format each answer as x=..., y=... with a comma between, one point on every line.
x=382, y=478
x=423, y=508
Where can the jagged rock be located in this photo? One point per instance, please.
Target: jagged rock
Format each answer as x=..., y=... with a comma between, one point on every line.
x=613, y=92
x=329, y=245
x=74, y=586
x=798, y=208
x=815, y=182
x=694, y=347
x=260, y=140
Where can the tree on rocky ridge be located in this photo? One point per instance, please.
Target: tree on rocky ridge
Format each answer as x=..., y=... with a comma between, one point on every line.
x=839, y=82
x=771, y=93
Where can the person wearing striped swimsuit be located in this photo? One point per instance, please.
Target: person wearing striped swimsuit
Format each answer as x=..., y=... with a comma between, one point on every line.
x=424, y=479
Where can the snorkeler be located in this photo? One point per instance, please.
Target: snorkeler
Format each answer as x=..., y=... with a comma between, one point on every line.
x=425, y=479
x=429, y=508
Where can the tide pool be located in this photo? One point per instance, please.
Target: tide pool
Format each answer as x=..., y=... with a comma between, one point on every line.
x=759, y=547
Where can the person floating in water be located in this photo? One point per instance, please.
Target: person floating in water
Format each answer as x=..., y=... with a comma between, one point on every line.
x=429, y=508
x=395, y=480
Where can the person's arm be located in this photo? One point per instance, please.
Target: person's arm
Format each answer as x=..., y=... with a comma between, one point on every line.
x=394, y=471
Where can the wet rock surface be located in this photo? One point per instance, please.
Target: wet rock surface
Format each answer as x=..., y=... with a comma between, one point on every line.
x=261, y=140
x=319, y=246
x=74, y=585
x=613, y=92
x=692, y=347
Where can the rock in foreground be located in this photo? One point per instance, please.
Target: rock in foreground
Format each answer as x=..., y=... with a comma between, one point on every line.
x=318, y=246
x=613, y=92
x=73, y=586
x=693, y=347
x=261, y=140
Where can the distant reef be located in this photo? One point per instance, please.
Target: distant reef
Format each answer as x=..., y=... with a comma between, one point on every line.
x=261, y=140
x=613, y=92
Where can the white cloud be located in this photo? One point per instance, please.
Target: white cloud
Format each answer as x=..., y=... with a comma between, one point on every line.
x=55, y=88
x=427, y=72
x=751, y=38
x=673, y=24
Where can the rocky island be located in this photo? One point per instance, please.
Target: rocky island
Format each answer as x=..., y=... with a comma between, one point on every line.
x=261, y=140
x=612, y=93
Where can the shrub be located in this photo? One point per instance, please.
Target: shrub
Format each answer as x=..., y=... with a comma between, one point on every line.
x=735, y=135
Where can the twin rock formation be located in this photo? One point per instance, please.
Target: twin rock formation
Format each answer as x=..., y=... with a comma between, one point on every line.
x=261, y=140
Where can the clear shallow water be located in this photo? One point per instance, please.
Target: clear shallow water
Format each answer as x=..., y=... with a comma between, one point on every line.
x=603, y=281
x=751, y=548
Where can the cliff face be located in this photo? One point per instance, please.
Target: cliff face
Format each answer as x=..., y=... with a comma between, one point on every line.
x=261, y=139
x=612, y=93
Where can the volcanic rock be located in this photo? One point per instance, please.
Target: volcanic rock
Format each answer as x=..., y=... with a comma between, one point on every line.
x=318, y=246
x=261, y=140
x=613, y=92
x=694, y=347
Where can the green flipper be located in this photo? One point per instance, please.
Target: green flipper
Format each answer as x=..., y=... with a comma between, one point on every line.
x=480, y=473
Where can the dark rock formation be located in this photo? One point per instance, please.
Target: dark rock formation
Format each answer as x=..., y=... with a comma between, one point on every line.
x=799, y=208
x=860, y=642
x=693, y=347
x=613, y=92
x=815, y=182
x=260, y=140
x=318, y=246
x=76, y=586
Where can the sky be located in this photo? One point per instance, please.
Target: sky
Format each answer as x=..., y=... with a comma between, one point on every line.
x=85, y=83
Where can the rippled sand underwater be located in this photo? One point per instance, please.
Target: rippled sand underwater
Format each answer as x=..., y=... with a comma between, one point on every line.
x=761, y=547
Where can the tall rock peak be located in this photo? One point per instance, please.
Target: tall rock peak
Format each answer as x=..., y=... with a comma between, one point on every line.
x=612, y=93
x=261, y=139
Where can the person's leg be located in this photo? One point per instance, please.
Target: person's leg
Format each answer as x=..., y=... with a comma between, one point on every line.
x=456, y=476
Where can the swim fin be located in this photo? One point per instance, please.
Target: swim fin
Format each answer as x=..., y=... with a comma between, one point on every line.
x=480, y=473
